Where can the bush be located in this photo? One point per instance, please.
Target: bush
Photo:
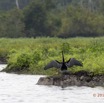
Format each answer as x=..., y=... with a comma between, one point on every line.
x=33, y=54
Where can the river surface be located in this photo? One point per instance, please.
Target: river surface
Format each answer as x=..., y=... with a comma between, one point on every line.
x=23, y=89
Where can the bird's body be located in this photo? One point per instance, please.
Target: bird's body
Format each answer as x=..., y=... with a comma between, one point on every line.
x=63, y=66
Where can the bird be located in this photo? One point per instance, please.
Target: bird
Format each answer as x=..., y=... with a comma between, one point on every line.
x=63, y=66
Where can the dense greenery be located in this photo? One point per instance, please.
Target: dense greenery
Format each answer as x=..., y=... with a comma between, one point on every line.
x=31, y=55
x=11, y=23
x=51, y=18
x=61, y=18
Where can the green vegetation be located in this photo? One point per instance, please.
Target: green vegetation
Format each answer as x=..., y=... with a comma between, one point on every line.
x=31, y=55
x=53, y=18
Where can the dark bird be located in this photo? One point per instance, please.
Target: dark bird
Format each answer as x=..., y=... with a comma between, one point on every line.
x=63, y=65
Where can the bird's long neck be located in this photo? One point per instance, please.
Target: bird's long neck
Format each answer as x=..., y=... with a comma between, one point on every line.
x=63, y=57
x=63, y=67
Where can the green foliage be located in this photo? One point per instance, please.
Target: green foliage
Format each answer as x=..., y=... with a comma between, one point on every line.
x=79, y=21
x=53, y=18
x=31, y=55
x=11, y=24
x=34, y=19
x=37, y=18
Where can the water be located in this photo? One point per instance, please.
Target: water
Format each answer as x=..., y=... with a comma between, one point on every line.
x=23, y=89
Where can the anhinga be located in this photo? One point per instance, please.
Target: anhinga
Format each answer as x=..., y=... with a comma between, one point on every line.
x=63, y=65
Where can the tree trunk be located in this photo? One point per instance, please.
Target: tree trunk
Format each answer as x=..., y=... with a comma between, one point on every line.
x=17, y=4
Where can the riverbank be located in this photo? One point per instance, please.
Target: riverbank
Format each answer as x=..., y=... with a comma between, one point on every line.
x=29, y=55
x=81, y=78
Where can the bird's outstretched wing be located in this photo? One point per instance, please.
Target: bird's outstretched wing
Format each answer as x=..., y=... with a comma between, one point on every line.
x=52, y=64
x=72, y=61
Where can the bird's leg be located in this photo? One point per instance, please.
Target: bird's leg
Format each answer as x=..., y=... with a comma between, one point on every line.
x=62, y=80
x=62, y=84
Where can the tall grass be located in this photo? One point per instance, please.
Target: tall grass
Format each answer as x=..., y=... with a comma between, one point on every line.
x=29, y=55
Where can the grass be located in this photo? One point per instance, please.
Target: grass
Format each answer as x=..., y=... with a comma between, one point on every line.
x=29, y=55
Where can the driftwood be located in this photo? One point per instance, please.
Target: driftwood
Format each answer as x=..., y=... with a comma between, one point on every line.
x=81, y=78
